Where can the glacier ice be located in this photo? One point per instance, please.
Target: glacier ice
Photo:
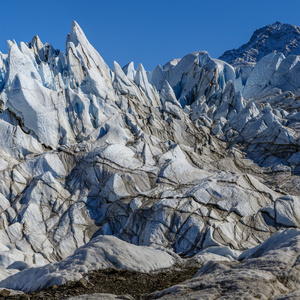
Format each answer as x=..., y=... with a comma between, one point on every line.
x=125, y=168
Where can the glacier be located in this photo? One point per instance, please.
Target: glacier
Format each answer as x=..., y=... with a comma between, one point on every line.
x=196, y=162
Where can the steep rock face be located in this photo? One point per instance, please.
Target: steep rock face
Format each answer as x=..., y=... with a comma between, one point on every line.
x=278, y=37
x=156, y=159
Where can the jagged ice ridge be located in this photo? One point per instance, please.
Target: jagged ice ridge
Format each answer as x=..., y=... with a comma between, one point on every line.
x=196, y=162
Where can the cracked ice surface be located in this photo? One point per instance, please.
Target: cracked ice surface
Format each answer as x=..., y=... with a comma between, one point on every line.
x=197, y=158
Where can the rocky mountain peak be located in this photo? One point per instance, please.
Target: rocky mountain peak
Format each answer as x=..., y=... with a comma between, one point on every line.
x=277, y=37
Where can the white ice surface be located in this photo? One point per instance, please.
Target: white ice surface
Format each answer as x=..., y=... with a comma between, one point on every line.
x=100, y=253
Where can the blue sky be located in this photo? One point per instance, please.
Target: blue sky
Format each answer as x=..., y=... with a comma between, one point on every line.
x=151, y=32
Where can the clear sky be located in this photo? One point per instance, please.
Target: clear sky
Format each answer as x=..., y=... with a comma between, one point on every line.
x=152, y=32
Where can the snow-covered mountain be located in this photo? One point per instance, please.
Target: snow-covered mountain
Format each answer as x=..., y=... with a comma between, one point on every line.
x=277, y=37
x=196, y=162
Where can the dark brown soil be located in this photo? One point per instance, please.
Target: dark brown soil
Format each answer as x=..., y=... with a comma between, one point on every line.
x=118, y=282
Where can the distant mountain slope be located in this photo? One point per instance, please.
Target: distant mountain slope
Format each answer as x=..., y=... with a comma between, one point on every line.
x=277, y=37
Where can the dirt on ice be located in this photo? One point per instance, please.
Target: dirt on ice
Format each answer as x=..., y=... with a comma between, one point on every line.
x=112, y=281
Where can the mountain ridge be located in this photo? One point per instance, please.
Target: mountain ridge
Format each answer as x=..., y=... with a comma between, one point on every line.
x=279, y=37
